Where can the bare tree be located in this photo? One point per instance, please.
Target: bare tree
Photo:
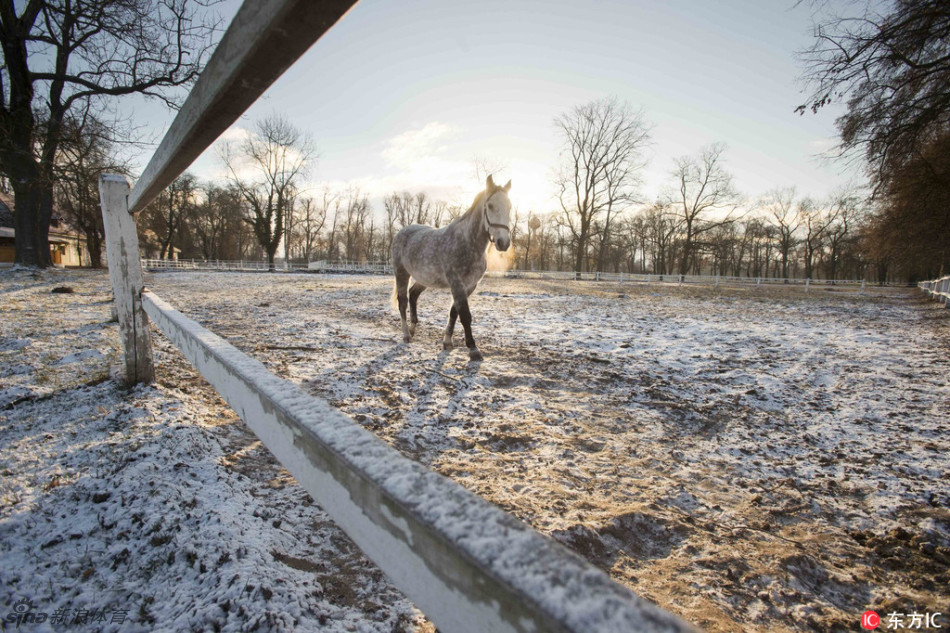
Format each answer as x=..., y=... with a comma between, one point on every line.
x=265, y=168
x=403, y=208
x=603, y=156
x=779, y=206
x=85, y=152
x=814, y=221
x=357, y=210
x=661, y=226
x=891, y=63
x=164, y=217
x=62, y=59
x=637, y=234
x=331, y=245
x=177, y=203
x=704, y=198
x=312, y=218
x=422, y=208
x=762, y=238
x=488, y=166
x=439, y=212
x=290, y=226
x=215, y=220
x=844, y=211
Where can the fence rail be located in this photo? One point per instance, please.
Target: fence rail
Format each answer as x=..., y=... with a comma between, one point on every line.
x=674, y=278
x=263, y=40
x=385, y=268
x=468, y=565
x=938, y=289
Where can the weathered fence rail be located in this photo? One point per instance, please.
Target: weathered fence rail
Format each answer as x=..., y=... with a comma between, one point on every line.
x=465, y=563
x=938, y=289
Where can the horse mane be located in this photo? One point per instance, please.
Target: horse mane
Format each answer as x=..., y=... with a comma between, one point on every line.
x=477, y=201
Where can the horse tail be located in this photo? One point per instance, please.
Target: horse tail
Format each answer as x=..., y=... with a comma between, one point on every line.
x=393, y=299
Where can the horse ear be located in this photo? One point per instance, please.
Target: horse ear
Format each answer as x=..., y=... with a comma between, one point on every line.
x=507, y=187
x=490, y=184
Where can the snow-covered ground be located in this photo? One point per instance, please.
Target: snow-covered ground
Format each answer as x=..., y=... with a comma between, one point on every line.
x=749, y=459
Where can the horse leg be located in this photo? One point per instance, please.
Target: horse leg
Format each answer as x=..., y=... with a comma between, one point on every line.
x=450, y=328
x=402, y=283
x=414, y=293
x=465, y=316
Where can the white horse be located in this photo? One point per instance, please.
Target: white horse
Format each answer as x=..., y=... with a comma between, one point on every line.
x=452, y=257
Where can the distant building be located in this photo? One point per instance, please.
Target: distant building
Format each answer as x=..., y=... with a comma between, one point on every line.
x=66, y=245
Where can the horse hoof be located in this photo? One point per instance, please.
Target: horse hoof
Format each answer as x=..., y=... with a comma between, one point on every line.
x=406, y=339
x=412, y=330
x=474, y=354
x=447, y=346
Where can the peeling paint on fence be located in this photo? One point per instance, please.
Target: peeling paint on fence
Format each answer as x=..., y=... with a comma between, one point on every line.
x=125, y=273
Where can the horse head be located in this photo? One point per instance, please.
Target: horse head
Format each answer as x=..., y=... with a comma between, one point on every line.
x=497, y=210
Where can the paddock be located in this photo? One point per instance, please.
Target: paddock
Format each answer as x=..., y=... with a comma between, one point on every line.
x=745, y=458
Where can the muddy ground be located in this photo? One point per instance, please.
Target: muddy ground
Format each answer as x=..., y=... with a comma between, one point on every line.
x=748, y=459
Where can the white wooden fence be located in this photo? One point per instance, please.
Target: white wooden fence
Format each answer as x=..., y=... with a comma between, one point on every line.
x=465, y=563
x=938, y=289
x=704, y=280
x=385, y=268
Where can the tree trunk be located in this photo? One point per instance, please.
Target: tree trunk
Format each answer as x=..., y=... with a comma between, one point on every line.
x=94, y=247
x=33, y=200
x=580, y=260
x=685, y=257
x=271, y=252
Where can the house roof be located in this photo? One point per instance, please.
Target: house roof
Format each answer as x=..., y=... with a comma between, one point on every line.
x=7, y=206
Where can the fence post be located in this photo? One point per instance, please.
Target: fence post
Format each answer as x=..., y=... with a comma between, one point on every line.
x=125, y=272
x=807, y=281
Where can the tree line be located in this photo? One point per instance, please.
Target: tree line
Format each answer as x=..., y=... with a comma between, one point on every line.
x=261, y=209
x=212, y=221
x=700, y=226
x=888, y=61
x=783, y=237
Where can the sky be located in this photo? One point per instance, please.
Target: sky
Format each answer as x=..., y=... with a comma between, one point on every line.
x=408, y=95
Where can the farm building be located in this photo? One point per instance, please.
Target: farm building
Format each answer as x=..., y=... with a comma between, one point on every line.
x=66, y=247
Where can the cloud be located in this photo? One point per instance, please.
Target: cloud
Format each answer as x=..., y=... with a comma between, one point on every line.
x=413, y=146
x=434, y=158
x=234, y=133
